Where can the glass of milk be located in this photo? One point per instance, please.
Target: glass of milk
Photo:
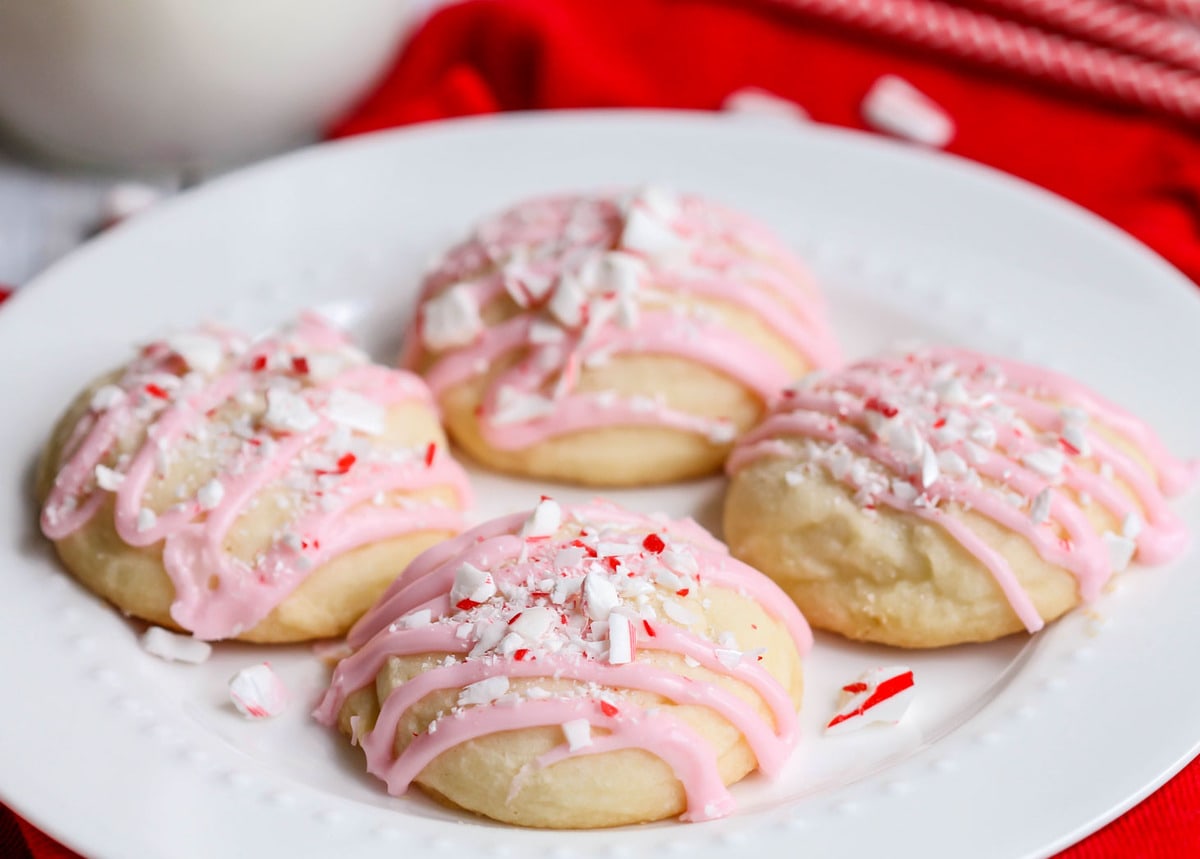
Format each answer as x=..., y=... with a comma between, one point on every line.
x=152, y=84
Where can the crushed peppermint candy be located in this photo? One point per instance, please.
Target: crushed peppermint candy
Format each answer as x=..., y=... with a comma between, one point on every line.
x=1120, y=550
x=895, y=106
x=109, y=479
x=288, y=412
x=941, y=431
x=258, y=692
x=484, y=691
x=174, y=647
x=578, y=734
x=1039, y=512
x=199, y=351
x=542, y=632
x=356, y=412
x=210, y=494
x=878, y=696
x=230, y=409
x=544, y=521
x=565, y=285
x=451, y=319
x=106, y=397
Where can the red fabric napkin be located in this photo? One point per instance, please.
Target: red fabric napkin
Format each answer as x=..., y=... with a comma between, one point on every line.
x=1140, y=171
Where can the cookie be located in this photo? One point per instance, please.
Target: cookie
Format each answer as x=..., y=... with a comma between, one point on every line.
x=613, y=339
x=574, y=667
x=261, y=490
x=944, y=496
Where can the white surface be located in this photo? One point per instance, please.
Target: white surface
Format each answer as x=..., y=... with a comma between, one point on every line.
x=1031, y=741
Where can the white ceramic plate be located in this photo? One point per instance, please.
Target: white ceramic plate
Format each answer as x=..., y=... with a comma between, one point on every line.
x=1013, y=749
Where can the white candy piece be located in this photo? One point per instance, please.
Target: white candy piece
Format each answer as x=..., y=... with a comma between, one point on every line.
x=416, y=619
x=651, y=237
x=210, y=494
x=578, y=733
x=106, y=397
x=200, y=352
x=472, y=583
x=929, y=467
x=879, y=695
x=108, y=479
x=533, y=623
x=568, y=300
x=514, y=407
x=356, y=412
x=544, y=521
x=174, y=647
x=659, y=201
x=450, y=319
x=620, y=639
x=1040, y=510
x=257, y=692
x=1045, y=461
x=1120, y=550
x=895, y=106
x=483, y=692
x=146, y=519
x=1073, y=435
x=599, y=596
x=752, y=101
x=288, y=412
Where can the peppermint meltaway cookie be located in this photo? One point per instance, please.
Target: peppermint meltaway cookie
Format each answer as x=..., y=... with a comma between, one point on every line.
x=263, y=490
x=614, y=339
x=574, y=667
x=945, y=496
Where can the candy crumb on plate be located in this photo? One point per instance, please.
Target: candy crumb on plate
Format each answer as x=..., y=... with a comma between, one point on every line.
x=880, y=695
x=257, y=692
x=174, y=647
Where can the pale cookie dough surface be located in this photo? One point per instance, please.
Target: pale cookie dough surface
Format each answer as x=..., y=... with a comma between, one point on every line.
x=614, y=339
x=244, y=495
x=945, y=497
x=880, y=575
x=490, y=756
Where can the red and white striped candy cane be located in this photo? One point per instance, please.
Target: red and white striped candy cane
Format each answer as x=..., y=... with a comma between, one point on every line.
x=1129, y=28
x=1185, y=9
x=984, y=39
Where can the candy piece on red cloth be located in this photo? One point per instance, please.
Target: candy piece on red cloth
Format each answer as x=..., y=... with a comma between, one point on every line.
x=753, y=101
x=879, y=695
x=895, y=106
x=257, y=692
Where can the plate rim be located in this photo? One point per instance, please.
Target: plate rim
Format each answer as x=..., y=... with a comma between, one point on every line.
x=248, y=174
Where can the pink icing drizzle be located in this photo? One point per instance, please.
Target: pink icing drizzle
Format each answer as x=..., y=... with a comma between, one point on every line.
x=704, y=252
x=216, y=594
x=518, y=566
x=877, y=423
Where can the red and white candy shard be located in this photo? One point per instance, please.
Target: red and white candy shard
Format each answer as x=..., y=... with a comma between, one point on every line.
x=881, y=695
x=258, y=692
